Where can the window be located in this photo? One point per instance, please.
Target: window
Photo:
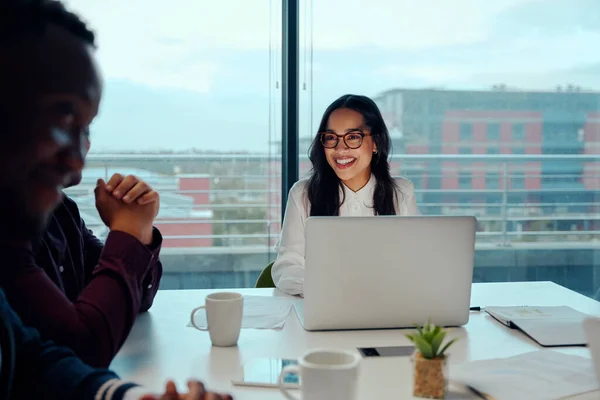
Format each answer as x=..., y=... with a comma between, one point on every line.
x=493, y=132
x=563, y=150
x=492, y=180
x=466, y=132
x=562, y=133
x=435, y=131
x=518, y=132
x=465, y=180
x=470, y=110
x=196, y=113
x=563, y=180
x=517, y=181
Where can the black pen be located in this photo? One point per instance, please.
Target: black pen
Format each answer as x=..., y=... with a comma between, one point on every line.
x=475, y=309
x=475, y=391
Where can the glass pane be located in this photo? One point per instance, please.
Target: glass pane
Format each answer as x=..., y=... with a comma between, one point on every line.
x=192, y=105
x=494, y=111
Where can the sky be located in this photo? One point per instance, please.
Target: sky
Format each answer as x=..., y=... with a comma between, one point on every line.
x=205, y=75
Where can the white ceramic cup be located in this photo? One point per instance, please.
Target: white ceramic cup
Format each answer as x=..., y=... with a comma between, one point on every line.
x=325, y=374
x=224, y=312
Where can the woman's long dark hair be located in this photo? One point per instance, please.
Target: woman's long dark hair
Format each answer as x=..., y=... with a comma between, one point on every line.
x=323, y=189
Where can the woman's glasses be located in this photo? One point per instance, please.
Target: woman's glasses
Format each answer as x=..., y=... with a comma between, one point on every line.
x=353, y=140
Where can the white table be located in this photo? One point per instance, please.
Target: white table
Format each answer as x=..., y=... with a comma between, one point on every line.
x=161, y=346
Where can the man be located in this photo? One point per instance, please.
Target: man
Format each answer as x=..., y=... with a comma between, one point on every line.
x=73, y=289
x=49, y=93
x=32, y=368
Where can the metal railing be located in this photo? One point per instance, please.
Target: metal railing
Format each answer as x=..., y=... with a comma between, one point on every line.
x=499, y=214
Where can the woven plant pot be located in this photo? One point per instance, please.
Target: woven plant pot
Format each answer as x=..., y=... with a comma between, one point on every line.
x=430, y=377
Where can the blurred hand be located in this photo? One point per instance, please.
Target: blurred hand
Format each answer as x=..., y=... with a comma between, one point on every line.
x=131, y=189
x=134, y=219
x=196, y=391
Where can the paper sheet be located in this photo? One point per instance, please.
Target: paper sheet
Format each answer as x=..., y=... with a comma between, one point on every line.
x=260, y=312
x=540, y=375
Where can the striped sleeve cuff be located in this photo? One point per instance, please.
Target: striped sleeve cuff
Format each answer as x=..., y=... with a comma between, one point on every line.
x=136, y=393
x=116, y=389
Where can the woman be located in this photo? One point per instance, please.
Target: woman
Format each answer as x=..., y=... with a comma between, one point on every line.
x=350, y=177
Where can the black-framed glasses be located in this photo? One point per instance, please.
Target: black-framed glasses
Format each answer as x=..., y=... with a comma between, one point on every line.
x=352, y=139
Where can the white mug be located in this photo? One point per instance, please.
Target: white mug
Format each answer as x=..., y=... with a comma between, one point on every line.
x=223, y=316
x=324, y=375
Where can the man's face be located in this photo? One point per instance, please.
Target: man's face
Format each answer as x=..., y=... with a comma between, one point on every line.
x=50, y=92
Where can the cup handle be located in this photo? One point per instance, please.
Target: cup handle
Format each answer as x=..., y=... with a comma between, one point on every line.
x=194, y=311
x=289, y=369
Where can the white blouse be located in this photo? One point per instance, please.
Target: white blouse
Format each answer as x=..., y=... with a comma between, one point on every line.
x=288, y=269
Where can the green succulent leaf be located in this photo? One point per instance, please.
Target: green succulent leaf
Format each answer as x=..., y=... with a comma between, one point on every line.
x=426, y=333
x=428, y=340
x=423, y=347
x=437, y=341
x=446, y=347
x=430, y=326
x=419, y=329
x=433, y=332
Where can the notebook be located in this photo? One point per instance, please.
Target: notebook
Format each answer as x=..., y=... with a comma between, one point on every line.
x=548, y=326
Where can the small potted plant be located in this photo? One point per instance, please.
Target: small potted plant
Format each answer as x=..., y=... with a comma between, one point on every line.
x=429, y=361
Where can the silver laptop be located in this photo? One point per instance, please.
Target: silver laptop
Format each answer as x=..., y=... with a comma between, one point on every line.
x=591, y=327
x=387, y=272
